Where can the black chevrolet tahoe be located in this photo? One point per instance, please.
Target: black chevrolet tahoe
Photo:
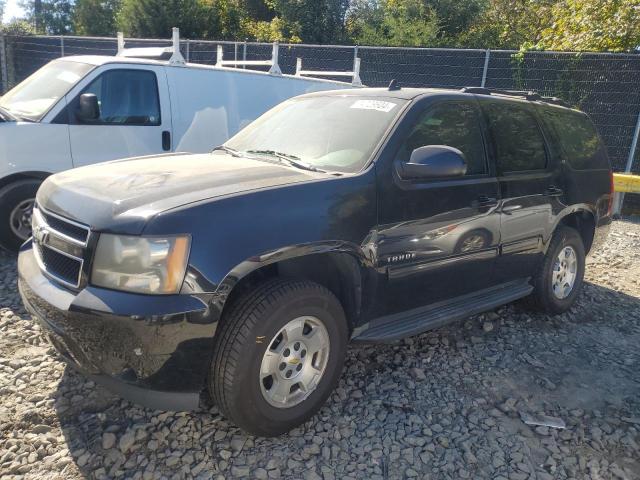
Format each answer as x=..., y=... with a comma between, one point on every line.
x=365, y=215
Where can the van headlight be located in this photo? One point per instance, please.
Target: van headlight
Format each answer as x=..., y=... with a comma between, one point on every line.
x=140, y=264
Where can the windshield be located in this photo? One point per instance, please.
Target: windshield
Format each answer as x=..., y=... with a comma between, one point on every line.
x=33, y=97
x=333, y=133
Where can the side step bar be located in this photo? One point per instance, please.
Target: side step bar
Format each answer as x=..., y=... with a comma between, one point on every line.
x=419, y=320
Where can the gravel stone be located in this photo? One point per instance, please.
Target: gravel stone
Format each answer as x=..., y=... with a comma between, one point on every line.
x=442, y=405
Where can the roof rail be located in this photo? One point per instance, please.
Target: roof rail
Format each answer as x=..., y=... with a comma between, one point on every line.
x=528, y=95
x=171, y=53
x=355, y=74
x=273, y=63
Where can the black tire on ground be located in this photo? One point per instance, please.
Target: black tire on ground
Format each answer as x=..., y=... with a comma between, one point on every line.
x=243, y=337
x=10, y=196
x=543, y=299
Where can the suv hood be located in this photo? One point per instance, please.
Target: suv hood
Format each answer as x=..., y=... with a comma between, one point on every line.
x=121, y=196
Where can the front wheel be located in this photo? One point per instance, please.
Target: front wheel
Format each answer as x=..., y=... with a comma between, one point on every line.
x=278, y=355
x=559, y=279
x=16, y=205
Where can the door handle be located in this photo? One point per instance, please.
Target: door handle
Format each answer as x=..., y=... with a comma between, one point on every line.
x=484, y=201
x=553, y=191
x=510, y=208
x=166, y=140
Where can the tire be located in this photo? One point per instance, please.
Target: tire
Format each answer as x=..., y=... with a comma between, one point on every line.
x=543, y=297
x=12, y=196
x=237, y=382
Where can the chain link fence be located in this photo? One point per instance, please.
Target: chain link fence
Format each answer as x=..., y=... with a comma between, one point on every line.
x=605, y=85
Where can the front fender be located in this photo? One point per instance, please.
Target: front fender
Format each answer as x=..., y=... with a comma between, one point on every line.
x=33, y=147
x=234, y=235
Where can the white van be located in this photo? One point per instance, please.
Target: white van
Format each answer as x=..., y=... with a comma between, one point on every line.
x=86, y=109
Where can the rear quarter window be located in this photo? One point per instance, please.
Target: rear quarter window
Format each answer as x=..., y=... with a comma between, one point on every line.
x=578, y=139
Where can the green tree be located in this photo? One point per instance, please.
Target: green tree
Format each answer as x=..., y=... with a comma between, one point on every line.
x=218, y=19
x=18, y=27
x=588, y=25
x=318, y=21
x=155, y=18
x=508, y=24
x=52, y=17
x=95, y=17
x=394, y=23
x=2, y=2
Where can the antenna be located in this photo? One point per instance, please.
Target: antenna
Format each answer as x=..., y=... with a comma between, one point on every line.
x=393, y=85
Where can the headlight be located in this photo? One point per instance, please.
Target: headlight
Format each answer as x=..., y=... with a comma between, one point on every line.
x=140, y=264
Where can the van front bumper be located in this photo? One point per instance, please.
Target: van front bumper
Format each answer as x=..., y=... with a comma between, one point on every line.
x=152, y=350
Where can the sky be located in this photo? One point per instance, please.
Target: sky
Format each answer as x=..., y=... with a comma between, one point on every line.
x=11, y=10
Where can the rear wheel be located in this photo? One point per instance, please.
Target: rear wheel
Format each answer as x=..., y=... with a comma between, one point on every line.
x=16, y=205
x=278, y=355
x=559, y=279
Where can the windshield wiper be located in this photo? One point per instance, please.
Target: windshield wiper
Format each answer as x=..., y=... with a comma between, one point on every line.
x=229, y=150
x=289, y=159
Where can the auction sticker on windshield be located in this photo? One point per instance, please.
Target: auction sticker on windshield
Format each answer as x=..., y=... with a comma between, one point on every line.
x=378, y=105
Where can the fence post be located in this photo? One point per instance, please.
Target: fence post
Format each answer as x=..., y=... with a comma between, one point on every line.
x=619, y=200
x=4, y=86
x=486, y=68
x=244, y=52
x=187, y=48
x=61, y=46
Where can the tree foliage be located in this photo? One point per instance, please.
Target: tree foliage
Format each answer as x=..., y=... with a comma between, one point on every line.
x=95, y=17
x=51, y=17
x=394, y=22
x=582, y=25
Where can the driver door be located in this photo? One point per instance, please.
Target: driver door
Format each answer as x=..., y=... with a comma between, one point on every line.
x=437, y=238
x=135, y=118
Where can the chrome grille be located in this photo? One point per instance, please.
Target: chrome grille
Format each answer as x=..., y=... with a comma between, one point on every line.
x=59, y=246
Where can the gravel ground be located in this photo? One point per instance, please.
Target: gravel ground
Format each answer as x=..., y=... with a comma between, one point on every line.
x=446, y=404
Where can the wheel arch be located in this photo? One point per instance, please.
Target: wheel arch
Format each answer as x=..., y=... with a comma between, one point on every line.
x=29, y=175
x=583, y=220
x=341, y=269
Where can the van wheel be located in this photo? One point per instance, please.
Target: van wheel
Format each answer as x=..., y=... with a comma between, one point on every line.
x=278, y=356
x=16, y=205
x=559, y=279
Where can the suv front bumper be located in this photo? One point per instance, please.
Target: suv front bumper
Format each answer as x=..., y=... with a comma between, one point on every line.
x=150, y=349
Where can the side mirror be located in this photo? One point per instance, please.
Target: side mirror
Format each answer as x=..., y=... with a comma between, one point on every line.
x=88, y=110
x=433, y=161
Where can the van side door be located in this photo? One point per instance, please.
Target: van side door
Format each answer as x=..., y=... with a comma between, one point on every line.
x=437, y=239
x=134, y=114
x=531, y=185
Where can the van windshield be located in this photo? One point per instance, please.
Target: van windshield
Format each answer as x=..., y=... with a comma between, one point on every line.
x=333, y=133
x=32, y=98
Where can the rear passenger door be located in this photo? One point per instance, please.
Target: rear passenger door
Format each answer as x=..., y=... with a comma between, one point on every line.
x=530, y=185
x=135, y=118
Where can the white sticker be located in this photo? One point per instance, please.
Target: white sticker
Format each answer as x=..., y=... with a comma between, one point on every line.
x=68, y=77
x=379, y=105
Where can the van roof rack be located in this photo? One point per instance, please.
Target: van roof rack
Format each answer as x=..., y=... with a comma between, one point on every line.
x=274, y=68
x=526, y=94
x=171, y=53
x=354, y=74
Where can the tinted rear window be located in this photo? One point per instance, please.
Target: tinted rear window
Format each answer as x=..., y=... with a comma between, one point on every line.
x=578, y=139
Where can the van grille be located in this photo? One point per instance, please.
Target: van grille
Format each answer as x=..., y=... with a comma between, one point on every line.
x=59, y=245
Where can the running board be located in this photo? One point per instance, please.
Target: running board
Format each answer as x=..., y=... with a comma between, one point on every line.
x=419, y=320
